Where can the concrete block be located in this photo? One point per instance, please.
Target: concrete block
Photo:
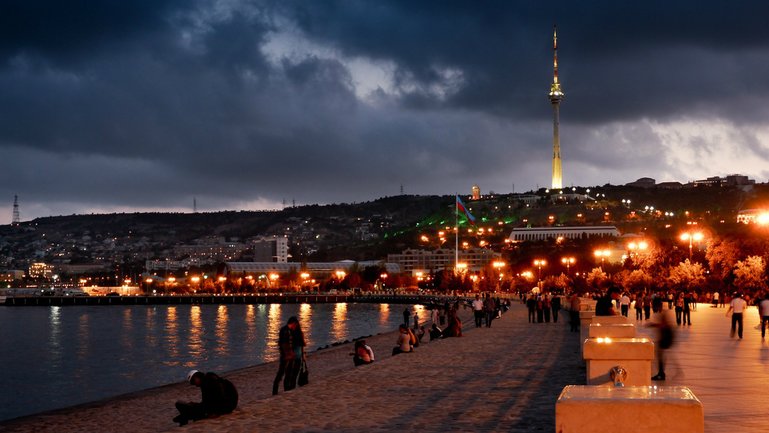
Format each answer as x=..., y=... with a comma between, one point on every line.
x=610, y=320
x=635, y=355
x=632, y=409
x=624, y=330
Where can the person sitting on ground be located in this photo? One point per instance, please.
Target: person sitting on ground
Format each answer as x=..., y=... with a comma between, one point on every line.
x=219, y=397
x=435, y=332
x=454, y=328
x=403, y=344
x=363, y=353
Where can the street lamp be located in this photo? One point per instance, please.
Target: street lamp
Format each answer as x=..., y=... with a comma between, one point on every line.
x=568, y=261
x=602, y=254
x=539, y=263
x=692, y=237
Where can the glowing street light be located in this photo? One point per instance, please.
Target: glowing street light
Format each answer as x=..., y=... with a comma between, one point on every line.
x=568, y=261
x=692, y=237
x=539, y=263
x=602, y=254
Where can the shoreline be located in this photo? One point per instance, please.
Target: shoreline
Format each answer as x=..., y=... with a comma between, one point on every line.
x=152, y=409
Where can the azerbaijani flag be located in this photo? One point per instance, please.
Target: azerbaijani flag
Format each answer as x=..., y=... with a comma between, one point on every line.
x=461, y=208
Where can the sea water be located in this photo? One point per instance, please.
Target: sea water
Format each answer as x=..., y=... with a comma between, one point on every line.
x=53, y=357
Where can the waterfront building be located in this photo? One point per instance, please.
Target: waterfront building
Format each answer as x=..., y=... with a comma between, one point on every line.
x=315, y=269
x=271, y=249
x=525, y=234
x=40, y=270
x=417, y=260
x=556, y=95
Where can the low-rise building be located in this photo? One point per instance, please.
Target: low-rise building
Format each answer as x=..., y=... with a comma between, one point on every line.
x=413, y=260
x=525, y=234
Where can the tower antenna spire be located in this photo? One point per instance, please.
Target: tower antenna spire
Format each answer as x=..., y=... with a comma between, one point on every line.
x=556, y=95
x=16, y=218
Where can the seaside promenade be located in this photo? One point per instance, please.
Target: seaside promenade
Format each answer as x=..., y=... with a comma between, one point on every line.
x=503, y=378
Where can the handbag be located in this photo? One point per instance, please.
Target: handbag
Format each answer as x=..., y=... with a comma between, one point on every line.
x=304, y=374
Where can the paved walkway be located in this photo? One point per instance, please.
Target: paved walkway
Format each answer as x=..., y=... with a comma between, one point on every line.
x=730, y=376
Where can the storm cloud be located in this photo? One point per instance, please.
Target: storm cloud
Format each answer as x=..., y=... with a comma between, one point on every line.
x=145, y=105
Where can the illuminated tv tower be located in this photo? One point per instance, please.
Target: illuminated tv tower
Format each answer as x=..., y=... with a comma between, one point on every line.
x=556, y=94
x=16, y=218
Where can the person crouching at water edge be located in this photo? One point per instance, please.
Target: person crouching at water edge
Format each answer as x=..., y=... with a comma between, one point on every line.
x=405, y=342
x=291, y=345
x=363, y=353
x=219, y=397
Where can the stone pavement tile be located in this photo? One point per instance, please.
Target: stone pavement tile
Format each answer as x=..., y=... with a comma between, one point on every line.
x=730, y=376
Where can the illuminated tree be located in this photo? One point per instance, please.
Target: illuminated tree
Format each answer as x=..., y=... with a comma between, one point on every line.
x=634, y=281
x=722, y=256
x=687, y=275
x=749, y=274
x=597, y=278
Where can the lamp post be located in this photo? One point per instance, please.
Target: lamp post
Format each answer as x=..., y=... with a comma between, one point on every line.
x=602, y=254
x=692, y=237
x=539, y=263
x=568, y=261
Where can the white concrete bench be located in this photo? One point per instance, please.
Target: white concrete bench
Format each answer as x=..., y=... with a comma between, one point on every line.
x=635, y=355
x=632, y=409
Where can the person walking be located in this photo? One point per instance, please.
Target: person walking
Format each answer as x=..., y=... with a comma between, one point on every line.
x=555, y=305
x=647, y=305
x=679, y=308
x=686, y=318
x=639, y=312
x=763, y=307
x=531, y=306
x=737, y=308
x=406, y=316
x=624, y=304
x=664, y=337
x=478, y=311
x=546, y=307
x=574, y=304
x=489, y=309
x=291, y=345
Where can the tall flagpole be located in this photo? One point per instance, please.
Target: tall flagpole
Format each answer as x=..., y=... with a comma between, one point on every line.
x=456, y=231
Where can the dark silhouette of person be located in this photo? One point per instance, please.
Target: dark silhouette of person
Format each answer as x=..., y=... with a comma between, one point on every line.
x=219, y=397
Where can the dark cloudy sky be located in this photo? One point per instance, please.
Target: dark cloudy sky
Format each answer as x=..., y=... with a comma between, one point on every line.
x=142, y=105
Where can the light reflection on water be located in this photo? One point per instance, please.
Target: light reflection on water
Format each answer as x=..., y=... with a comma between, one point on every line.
x=85, y=353
x=171, y=335
x=339, y=325
x=221, y=331
x=384, y=313
x=195, y=341
x=83, y=332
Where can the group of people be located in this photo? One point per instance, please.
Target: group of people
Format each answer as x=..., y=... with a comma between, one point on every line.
x=219, y=395
x=409, y=338
x=542, y=306
x=486, y=309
